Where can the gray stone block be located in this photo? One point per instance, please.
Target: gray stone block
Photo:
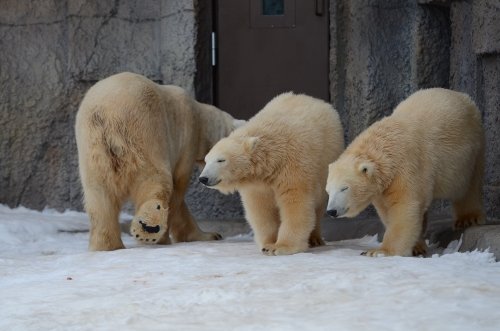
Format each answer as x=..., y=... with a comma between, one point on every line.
x=368, y=59
x=23, y=13
x=178, y=37
x=462, y=56
x=373, y=69
x=486, y=32
x=343, y=229
x=485, y=237
x=490, y=101
x=209, y=204
x=34, y=112
x=113, y=37
x=431, y=51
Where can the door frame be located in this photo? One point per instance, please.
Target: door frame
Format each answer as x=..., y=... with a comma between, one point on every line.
x=205, y=80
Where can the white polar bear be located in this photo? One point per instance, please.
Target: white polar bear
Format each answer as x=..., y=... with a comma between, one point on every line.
x=139, y=140
x=432, y=146
x=278, y=162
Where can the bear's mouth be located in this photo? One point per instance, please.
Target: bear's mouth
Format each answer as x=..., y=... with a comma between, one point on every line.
x=344, y=213
x=212, y=183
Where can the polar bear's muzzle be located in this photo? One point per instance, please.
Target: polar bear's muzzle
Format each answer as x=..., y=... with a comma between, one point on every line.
x=334, y=212
x=337, y=204
x=209, y=181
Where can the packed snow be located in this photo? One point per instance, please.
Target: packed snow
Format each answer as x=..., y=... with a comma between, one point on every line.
x=49, y=281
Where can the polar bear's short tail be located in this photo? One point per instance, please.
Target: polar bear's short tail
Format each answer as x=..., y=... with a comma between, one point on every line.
x=111, y=145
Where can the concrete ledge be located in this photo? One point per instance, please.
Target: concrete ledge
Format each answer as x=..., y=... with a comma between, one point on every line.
x=484, y=237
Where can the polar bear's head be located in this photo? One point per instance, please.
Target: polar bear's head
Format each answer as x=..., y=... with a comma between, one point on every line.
x=228, y=163
x=350, y=186
x=150, y=222
x=215, y=124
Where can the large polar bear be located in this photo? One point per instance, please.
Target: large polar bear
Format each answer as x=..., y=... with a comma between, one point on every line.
x=432, y=146
x=278, y=162
x=139, y=140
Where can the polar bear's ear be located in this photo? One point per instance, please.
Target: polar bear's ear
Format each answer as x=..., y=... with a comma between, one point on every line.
x=250, y=143
x=367, y=168
x=238, y=123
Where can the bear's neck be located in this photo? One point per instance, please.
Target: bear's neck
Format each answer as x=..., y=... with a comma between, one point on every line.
x=213, y=125
x=381, y=143
x=267, y=160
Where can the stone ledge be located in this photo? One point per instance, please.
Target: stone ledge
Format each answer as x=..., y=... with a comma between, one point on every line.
x=484, y=237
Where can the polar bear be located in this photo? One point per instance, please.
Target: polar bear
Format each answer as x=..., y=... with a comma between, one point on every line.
x=139, y=140
x=278, y=162
x=431, y=147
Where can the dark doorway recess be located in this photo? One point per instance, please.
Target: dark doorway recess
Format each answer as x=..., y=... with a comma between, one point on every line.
x=266, y=47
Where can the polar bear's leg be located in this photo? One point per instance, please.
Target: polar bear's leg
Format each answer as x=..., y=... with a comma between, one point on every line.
x=182, y=225
x=151, y=192
x=103, y=210
x=420, y=248
x=262, y=214
x=403, y=223
x=315, y=239
x=298, y=217
x=469, y=210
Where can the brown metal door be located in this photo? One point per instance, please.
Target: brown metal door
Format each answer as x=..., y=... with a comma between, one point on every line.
x=266, y=47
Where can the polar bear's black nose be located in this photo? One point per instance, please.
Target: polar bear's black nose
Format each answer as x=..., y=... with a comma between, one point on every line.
x=332, y=212
x=204, y=180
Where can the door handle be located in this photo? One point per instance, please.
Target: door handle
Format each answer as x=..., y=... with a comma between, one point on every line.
x=320, y=4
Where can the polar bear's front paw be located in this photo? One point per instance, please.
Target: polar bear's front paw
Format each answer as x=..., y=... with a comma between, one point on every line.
x=464, y=221
x=277, y=249
x=208, y=236
x=379, y=252
x=420, y=249
x=144, y=233
x=315, y=241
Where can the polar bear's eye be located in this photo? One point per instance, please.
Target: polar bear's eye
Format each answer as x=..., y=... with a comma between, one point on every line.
x=158, y=207
x=221, y=160
x=344, y=189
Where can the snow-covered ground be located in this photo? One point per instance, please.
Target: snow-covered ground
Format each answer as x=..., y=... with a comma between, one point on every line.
x=49, y=281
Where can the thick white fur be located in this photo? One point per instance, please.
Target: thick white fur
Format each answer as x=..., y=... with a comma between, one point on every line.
x=278, y=162
x=431, y=147
x=139, y=140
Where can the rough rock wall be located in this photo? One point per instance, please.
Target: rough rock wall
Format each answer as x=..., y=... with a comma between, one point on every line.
x=381, y=52
x=475, y=69
x=384, y=50
x=37, y=162
x=51, y=52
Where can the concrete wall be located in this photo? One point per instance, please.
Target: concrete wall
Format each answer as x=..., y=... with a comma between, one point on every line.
x=475, y=69
x=52, y=51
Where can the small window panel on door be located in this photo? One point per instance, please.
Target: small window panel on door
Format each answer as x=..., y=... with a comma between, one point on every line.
x=272, y=13
x=273, y=7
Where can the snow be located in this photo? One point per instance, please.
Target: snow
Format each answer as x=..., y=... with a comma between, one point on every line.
x=49, y=281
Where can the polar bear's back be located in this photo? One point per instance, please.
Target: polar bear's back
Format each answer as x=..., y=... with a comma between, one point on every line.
x=126, y=121
x=445, y=126
x=304, y=121
x=438, y=106
x=299, y=132
x=441, y=119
